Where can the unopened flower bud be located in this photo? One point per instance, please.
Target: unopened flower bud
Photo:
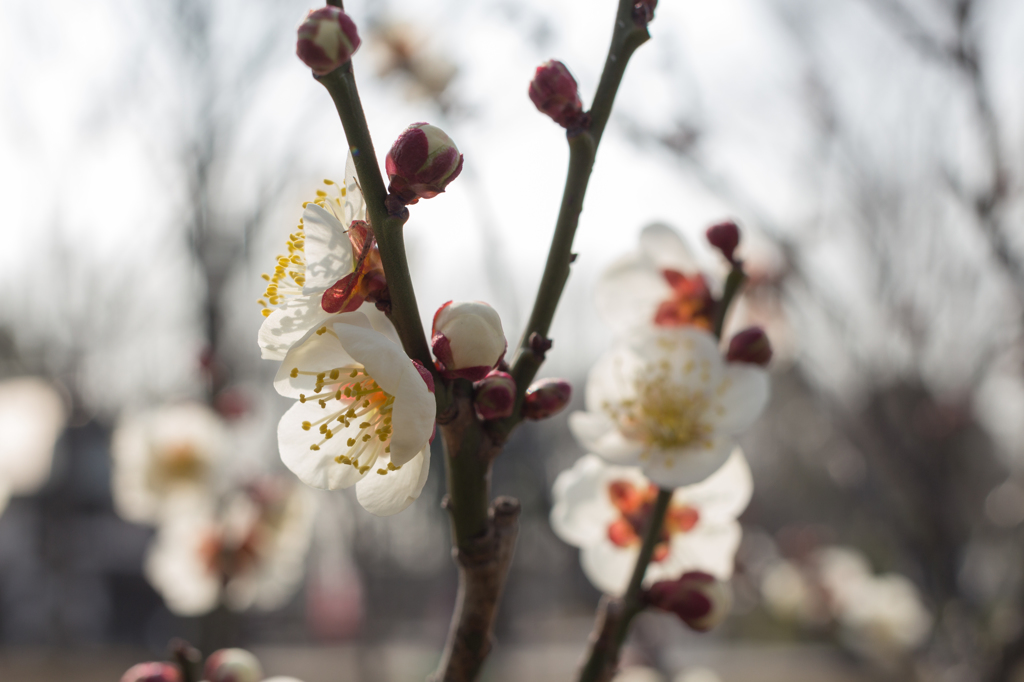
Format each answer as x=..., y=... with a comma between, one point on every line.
x=700, y=600
x=643, y=12
x=554, y=92
x=421, y=163
x=495, y=396
x=232, y=665
x=546, y=398
x=467, y=339
x=327, y=39
x=750, y=345
x=725, y=237
x=152, y=672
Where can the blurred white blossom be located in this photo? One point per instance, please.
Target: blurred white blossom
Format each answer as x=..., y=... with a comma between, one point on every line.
x=32, y=416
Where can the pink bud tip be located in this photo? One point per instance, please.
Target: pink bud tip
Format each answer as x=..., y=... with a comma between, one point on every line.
x=554, y=92
x=700, y=601
x=495, y=396
x=421, y=163
x=725, y=237
x=327, y=39
x=152, y=672
x=546, y=398
x=751, y=346
x=232, y=665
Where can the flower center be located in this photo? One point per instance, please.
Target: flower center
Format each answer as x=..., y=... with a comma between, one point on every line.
x=356, y=408
x=635, y=506
x=178, y=462
x=666, y=414
x=690, y=303
x=289, y=274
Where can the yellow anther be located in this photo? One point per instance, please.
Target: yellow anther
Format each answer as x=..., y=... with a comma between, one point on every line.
x=265, y=276
x=328, y=434
x=266, y=312
x=363, y=469
x=306, y=426
x=354, y=373
x=366, y=438
x=391, y=465
x=323, y=403
x=294, y=372
x=364, y=425
x=351, y=442
x=328, y=182
x=302, y=397
x=335, y=373
x=314, y=447
x=321, y=330
x=320, y=193
x=382, y=471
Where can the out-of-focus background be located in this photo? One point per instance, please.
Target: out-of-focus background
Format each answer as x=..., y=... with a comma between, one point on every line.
x=155, y=156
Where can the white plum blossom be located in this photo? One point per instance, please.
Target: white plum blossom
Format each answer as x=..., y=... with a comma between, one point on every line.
x=467, y=339
x=32, y=416
x=248, y=553
x=170, y=451
x=321, y=254
x=665, y=400
x=657, y=285
x=604, y=509
x=364, y=416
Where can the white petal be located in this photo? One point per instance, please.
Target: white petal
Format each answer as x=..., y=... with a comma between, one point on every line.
x=612, y=379
x=328, y=249
x=666, y=249
x=608, y=566
x=709, y=547
x=687, y=356
x=317, y=353
x=354, y=205
x=582, y=510
x=722, y=496
x=414, y=409
x=744, y=397
x=287, y=325
x=599, y=434
x=629, y=292
x=390, y=493
x=686, y=466
x=316, y=468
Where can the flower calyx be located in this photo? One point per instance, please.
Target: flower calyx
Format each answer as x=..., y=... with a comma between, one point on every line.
x=751, y=346
x=467, y=340
x=546, y=398
x=725, y=237
x=366, y=282
x=327, y=38
x=420, y=164
x=494, y=396
x=700, y=600
x=555, y=93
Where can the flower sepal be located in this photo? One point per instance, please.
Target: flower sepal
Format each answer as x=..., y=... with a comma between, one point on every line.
x=697, y=598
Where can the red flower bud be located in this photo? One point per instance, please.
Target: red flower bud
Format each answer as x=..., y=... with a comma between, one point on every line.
x=421, y=163
x=152, y=672
x=750, y=345
x=327, y=39
x=700, y=601
x=495, y=396
x=725, y=237
x=467, y=339
x=232, y=665
x=554, y=92
x=546, y=398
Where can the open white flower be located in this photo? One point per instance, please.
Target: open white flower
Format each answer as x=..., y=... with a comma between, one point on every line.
x=665, y=400
x=166, y=452
x=248, y=554
x=321, y=255
x=659, y=284
x=604, y=509
x=365, y=414
x=32, y=416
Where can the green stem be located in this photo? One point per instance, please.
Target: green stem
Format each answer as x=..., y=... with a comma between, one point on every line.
x=733, y=283
x=626, y=38
x=604, y=657
x=388, y=228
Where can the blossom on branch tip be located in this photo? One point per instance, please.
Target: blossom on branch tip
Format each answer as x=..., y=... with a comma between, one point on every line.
x=700, y=600
x=327, y=38
x=364, y=416
x=232, y=665
x=725, y=237
x=604, y=510
x=494, y=396
x=152, y=672
x=332, y=266
x=467, y=339
x=554, y=92
x=664, y=400
x=421, y=163
x=659, y=284
x=751, y=346
x=546, y=398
